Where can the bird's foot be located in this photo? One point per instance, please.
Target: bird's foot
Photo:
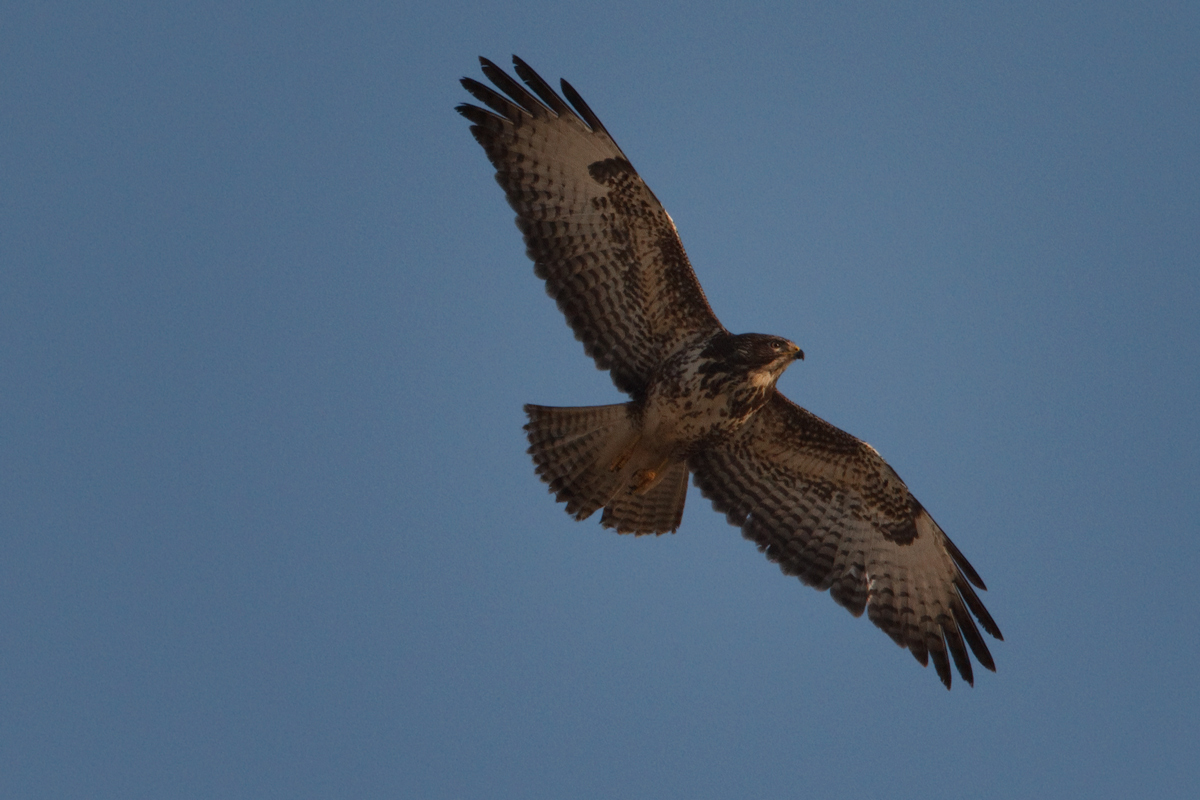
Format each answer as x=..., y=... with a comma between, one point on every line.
x=643, y=479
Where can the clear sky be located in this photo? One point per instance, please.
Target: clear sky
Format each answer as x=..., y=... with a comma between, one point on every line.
x=267, y=526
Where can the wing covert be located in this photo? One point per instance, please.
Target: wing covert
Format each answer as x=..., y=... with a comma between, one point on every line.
x=607, y=250
x=829, y=510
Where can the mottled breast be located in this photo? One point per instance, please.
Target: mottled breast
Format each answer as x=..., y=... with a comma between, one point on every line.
x=709, y=388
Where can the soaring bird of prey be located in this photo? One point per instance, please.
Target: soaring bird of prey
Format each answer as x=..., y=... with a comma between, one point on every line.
x=820, y=503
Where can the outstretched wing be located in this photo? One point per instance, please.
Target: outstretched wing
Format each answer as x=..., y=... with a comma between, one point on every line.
x=598, y=236
x=829, y=510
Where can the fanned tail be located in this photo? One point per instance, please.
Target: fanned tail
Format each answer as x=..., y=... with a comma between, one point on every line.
x=588, y=456
x=658, y=510
x=574, y=449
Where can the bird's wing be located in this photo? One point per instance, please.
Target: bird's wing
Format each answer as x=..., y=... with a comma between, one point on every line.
x=608, y=251
x=829, y=510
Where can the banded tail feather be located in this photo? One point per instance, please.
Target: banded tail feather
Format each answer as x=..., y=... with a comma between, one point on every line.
x=590, y=458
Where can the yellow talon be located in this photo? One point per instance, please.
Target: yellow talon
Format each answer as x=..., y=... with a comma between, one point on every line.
x=643, y=479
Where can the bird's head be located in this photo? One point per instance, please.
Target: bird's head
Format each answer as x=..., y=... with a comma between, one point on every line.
x=758, y=350
x=764, y=357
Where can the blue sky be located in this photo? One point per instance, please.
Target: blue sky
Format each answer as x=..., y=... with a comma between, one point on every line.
x=267, y=527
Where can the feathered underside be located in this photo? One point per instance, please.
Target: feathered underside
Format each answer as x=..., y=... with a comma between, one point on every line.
x=817, y=501
x=826, y=508
x=598, y=236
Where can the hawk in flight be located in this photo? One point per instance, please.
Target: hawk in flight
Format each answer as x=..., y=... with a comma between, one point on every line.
x=817, y=501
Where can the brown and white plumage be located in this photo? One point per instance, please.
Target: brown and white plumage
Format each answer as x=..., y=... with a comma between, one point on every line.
x=597, y=235
x=817, y=501
x=829, y=510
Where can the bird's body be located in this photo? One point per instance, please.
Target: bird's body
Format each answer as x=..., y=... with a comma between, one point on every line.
x=699, y=396
x=816, y=500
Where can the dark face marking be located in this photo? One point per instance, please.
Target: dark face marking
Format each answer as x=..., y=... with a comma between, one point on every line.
x=740, y=353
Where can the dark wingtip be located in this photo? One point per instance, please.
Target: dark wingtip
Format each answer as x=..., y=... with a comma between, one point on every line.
x=964, y=565
x=942, y=664
x=584, y=110
x=541, y=88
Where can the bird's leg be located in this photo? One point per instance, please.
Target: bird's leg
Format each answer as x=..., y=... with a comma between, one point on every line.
x=645, y=479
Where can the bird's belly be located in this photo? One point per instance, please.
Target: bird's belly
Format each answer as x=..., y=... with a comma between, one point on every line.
x=680, y=423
